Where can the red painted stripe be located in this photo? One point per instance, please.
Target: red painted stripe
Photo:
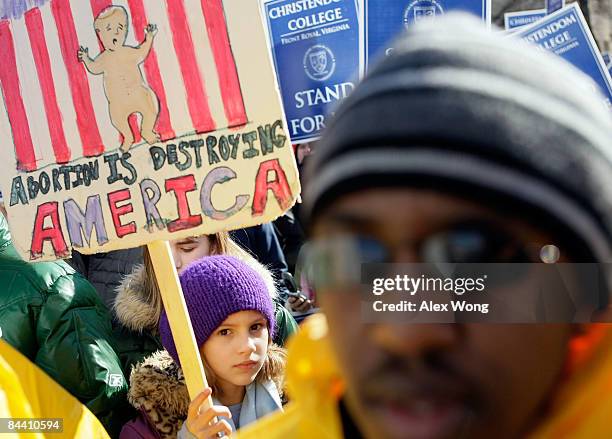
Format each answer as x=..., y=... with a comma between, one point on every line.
x=135, y=127
x=151, y=66
x=98, y=6
x=9, y=81
x=36, y=33
x=197, y=100
x=77, y=75
x=224, y=61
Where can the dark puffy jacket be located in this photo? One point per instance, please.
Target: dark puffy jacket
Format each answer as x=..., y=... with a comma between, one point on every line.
x=53, y=316
x=263, y=244
x=105, y=271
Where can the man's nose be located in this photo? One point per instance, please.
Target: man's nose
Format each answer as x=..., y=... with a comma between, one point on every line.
x=405, y=254
x=415, y=339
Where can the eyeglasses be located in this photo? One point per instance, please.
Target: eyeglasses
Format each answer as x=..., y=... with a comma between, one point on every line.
x=340, y=258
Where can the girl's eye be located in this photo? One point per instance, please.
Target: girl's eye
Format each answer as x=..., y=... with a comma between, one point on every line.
x=187, y=249
x=224, y=332
x=256, y=327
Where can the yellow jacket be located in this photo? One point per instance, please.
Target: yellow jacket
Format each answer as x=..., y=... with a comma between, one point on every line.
x=582, y=408
x=27, y=392
x=314, y=385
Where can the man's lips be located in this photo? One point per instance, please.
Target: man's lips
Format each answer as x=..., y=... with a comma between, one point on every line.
x=428, y=405
x=424, y=417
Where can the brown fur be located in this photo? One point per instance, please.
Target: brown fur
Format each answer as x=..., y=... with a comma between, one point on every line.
x=138, y=305
x=157, y=388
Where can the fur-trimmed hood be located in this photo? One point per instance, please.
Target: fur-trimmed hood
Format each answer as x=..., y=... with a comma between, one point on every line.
x=158, y=390
x=137, y=309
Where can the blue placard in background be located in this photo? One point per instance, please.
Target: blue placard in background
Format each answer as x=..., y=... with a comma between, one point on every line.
x=383, y=20
x=567, y=34
x=608, y=60
x=554, y=5
x=315, y=49
x=512, y=20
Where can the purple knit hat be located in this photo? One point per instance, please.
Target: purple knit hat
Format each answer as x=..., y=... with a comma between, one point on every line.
x=215, y=287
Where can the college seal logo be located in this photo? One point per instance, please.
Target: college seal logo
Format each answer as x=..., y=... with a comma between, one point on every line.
x=319, y=62
x=421, y=9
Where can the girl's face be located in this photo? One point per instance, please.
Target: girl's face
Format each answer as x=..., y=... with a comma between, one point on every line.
x=237, y=349
x=187, y=250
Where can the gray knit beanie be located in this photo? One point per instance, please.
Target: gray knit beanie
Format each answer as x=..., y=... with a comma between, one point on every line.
x=460, y=109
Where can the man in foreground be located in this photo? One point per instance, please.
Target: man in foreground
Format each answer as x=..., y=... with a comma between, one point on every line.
x=460, y=147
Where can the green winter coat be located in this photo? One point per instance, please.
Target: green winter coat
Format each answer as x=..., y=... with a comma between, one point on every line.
x=53, y=316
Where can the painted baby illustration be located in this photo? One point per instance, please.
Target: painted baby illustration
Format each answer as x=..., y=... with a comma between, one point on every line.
x=125, y=88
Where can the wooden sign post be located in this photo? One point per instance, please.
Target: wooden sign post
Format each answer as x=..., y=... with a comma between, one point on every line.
x=178, y=316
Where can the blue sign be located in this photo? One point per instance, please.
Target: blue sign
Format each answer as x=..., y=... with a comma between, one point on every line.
x=607, y=60
x=554, y=5
x=567, y=34
x=512, y=20
x=315, y=49
x=383, y=20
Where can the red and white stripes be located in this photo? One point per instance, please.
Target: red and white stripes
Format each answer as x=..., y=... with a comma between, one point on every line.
x=58, y=111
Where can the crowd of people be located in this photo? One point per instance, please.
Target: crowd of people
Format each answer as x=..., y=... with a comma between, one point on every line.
x=462, y=146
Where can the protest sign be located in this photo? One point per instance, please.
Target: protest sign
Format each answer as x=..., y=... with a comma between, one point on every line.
x=607, y=60
x=513, y=20
x=315, y=49
x=131, y=122
x=383, y=20
x=136, y=121
x=567, y=34
x=554, y=5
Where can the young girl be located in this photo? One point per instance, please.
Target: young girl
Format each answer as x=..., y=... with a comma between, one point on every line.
x=233, y=321
x=138, y=304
